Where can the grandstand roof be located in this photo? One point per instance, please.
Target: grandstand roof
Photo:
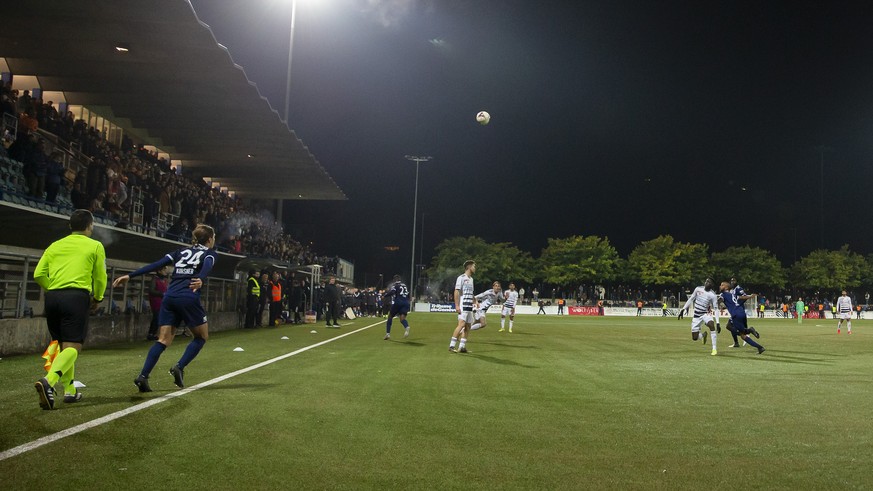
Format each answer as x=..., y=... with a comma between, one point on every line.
x=176, y=88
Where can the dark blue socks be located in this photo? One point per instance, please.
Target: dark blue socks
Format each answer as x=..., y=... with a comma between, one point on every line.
x=152, y=358
x=751, y=342
x=191, y=351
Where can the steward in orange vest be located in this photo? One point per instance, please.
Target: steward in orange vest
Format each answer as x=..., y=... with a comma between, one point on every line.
x=276, y=299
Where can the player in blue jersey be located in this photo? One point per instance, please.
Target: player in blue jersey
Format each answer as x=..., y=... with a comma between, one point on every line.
x=739, y=323
x=741, y=297
x=398, y=292
x=739, y=293
x=191, y=266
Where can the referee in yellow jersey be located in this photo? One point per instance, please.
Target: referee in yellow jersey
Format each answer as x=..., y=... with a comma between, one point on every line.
x=73, y=273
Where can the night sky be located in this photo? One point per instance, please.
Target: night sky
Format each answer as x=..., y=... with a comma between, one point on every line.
x=619, y=119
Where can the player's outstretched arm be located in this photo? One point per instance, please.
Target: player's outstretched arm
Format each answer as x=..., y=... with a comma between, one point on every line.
x=121, y=280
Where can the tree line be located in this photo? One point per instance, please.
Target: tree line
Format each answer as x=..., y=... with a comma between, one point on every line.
x=660, y=262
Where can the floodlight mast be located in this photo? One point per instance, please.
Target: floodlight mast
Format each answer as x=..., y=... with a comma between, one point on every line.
x=417, y=160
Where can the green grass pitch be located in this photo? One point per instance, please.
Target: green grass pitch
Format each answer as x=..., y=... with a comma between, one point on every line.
x=561, y=403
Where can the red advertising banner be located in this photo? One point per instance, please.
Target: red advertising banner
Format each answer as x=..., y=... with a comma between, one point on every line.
x=584, y=310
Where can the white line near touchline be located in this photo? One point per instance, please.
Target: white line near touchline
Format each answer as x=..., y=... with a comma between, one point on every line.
x=26, y=447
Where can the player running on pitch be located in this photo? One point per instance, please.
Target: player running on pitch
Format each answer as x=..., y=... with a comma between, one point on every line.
x=465, y=304
x=486, y=299
x=191, y=266
x=741, y=297
x=399, y=306
x=844, y=310
x=510, y=298
x=705, y=304
x=739, y=322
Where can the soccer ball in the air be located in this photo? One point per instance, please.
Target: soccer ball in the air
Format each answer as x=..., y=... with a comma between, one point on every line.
x=483, y=117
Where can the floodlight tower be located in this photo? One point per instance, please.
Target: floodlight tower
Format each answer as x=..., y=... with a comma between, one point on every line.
x=417, y=160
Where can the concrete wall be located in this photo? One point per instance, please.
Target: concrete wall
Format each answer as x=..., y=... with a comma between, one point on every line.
x=30, y=335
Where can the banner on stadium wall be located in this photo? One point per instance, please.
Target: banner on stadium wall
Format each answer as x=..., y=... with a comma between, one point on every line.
x=442, y=307
x=584, y=310
x=632, y=311
x=450, y=307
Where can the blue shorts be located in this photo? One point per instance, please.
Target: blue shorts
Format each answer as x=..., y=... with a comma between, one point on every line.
x=174, y=310
x=399, y=308
x=740, y=323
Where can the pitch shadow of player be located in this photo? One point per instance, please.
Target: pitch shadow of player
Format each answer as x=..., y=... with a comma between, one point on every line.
x=407, y=343
x=94, y=400
x=220, y=386
x=498, y=361
x=507, y=345
x=169, y=388
x=834, y=355
x=769, y=356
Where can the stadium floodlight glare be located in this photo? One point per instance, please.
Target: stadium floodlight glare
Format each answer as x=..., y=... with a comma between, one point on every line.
x=417, y=160
x=290, y=52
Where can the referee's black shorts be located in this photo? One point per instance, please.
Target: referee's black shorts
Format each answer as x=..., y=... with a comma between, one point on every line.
x=66, y=312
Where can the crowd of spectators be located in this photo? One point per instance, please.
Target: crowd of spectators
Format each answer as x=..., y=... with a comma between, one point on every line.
x=105, y=177
x=109, y=179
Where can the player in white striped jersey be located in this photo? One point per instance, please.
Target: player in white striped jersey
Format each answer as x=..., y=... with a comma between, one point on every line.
x=510, y=298
x=844, y=310
x=486, y=299
x=465, y=304
x=705, y=305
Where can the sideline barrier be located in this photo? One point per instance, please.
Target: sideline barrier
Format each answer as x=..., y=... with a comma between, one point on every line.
x=589, y=310
x=494, y=309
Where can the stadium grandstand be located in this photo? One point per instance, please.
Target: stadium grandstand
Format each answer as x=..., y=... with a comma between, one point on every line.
x=138, y=114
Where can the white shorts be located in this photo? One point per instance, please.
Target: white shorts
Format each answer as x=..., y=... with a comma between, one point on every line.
x=466, y=317
x=507, y=311
x=846, y=316
x=479, y=314
x=696, y=322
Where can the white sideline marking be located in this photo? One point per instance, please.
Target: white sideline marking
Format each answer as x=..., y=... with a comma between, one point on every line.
x=26, y=447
